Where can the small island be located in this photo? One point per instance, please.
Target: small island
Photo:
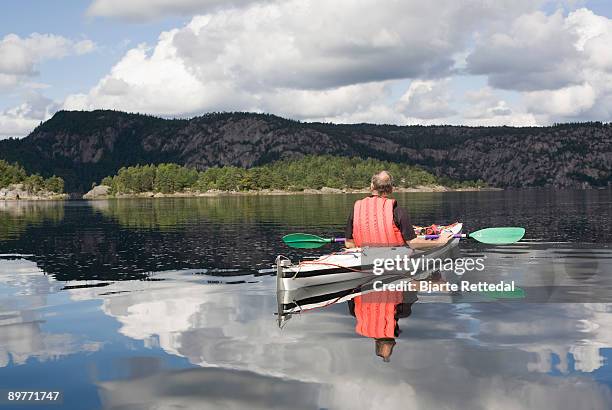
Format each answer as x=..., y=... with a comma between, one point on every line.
x=310, y=174
x=17, y=184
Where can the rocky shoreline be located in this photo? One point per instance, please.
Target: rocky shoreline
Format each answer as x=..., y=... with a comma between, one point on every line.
x=103, y=192
x=17, y=192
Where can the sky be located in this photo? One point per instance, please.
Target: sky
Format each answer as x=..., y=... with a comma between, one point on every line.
x=473, y=62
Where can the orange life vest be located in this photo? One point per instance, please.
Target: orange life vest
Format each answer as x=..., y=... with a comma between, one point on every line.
x=375, y=314
x=373, y=223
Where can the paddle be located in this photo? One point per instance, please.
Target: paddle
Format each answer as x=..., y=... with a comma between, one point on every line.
x=492, y=236
x=308, y=241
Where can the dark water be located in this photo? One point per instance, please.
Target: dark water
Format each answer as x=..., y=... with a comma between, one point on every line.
x=170, y=304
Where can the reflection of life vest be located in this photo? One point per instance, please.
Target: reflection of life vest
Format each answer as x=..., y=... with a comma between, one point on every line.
x=375, y=313
x=373, y=223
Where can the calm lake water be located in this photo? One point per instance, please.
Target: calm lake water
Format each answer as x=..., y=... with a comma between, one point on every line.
x=170, y=303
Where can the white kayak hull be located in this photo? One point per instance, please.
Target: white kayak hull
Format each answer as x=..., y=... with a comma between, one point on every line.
x=348, y=265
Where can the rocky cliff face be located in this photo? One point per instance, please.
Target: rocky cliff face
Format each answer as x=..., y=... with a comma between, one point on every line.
x=83, y=147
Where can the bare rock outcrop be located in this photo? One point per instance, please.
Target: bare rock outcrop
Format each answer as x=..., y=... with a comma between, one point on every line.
x=98, y=192
x=19, y=192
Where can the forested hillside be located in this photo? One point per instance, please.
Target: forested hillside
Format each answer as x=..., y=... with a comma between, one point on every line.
x=84, y=147
x=309, y=172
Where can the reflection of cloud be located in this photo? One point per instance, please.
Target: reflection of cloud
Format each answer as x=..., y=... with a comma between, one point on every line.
x=20, y=277
x=216, y=387
x=163, y=320
x=554, y=334
x=559, y=333
x=177, y=316
x=22, y=341
x=24, y=291
x=593, y=321
x=475, y=356
x=587, y=357
x=449, y=356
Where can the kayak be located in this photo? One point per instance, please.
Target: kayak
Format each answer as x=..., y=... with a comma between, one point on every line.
x=351, y=264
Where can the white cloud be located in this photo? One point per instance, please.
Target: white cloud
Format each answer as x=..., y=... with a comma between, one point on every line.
x=484, y=103
x=377, y=112
x=427, y=100
x=537, y=52
x=152, y=81
x=566, y=102
x=20, y=120
x=314, y=60
x=8, y=81
x=485, y=107
x=142, y=10
x=145, y=10
x=323, y=104
x=84, y=47
x=19, y=56
x=432, y=102
x=320, y=44
x=344, y=61
x=561, y=64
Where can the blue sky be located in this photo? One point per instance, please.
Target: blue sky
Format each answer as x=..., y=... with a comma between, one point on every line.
x=68, y=18
x=476, y=62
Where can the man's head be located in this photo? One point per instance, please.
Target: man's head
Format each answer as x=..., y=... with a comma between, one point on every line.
x=384, y=348
x=382, y=183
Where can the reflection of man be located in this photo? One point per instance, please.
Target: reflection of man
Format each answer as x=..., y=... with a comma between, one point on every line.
x=378, y=221
x=377, y=315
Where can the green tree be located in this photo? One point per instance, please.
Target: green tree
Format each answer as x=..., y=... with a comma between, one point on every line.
x=11, y=174
x=54, y=184
x=33, y=183
x=288, y=174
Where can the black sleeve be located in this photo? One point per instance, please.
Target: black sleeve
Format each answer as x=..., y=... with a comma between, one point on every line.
x=403, y=222
x=348, y=232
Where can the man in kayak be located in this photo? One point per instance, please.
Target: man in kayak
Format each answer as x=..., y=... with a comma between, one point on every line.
x=379, y=221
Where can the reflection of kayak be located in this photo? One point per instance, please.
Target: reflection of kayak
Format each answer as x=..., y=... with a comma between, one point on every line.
x=349, y=264
x=314, y=297
x=291, y=302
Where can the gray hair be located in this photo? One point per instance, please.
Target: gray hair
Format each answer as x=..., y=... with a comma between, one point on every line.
x=382, y=182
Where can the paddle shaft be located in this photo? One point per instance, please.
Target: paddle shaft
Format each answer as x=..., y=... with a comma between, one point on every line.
x=491, y=236
x=458, y=235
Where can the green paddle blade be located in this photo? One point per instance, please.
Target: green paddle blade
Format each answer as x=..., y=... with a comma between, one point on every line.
x=498, y=236
x=304, y=240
